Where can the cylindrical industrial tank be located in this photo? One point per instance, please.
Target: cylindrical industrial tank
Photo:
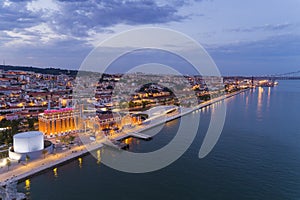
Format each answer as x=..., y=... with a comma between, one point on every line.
x=27, y=142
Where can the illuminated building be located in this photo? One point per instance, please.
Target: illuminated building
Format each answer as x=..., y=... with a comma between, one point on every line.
x=57, y=122
x=29, y=144
x=108, y=119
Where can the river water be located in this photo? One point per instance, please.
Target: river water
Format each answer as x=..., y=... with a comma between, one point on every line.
x=256, y=157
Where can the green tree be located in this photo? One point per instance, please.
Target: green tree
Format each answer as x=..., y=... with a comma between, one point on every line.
x=8, y=163
x=144, y=103
x=131, y=104
x=7, y=135
x=64, y=139
x=31, y=124
x=72, y=138
x=27, y=158
x=44, y=152
x=123, y=105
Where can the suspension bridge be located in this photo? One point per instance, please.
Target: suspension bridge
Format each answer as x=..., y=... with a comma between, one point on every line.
x=284, y=76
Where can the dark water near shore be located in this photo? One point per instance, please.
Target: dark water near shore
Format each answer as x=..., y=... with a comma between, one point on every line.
x=256, y=157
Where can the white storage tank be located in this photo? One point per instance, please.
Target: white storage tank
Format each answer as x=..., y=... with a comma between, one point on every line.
x=27, y=142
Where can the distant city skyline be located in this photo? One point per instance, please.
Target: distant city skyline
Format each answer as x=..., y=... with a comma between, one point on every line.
x=243, y=38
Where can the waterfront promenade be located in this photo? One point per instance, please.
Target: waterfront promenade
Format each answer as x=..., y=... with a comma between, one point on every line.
x=23, y=171
x=135, y=132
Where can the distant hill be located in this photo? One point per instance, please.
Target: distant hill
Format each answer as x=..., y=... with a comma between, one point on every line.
x=54, y=71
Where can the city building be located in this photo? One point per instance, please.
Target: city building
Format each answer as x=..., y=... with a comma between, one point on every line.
x=58, y=122
x=29, y=145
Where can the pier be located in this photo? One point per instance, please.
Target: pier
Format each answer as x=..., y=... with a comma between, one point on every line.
x=125, y=135
x=116, y=144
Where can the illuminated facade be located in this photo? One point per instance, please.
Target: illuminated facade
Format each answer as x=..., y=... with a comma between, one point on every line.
x=108, y=119
x=57, y=122
x=27, y=142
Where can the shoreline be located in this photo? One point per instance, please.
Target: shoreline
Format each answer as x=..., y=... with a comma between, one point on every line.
x=181, y=114
x=39, y=166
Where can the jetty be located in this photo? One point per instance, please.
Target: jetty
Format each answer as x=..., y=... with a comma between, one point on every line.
x=122, y=136
x=115, y=144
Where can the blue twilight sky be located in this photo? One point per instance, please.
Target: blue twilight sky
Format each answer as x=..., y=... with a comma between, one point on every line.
x=243, y=37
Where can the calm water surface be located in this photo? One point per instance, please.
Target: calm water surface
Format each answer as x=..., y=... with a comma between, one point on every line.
x=256, y=157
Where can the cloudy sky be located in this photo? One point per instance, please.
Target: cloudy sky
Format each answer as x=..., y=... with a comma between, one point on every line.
x=243, y=37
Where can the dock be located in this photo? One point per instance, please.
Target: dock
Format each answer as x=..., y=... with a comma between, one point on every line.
x=138, y=135
x=116, y=144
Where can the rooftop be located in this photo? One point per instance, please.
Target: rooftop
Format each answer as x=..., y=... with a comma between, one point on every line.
x=28, y=134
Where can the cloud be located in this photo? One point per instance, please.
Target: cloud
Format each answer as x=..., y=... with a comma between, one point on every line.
x=276, y=54
x=288, y=44
x=79, y=17
x=15, y=15
x=266, y=27
x=67, y=53
x=58, y=32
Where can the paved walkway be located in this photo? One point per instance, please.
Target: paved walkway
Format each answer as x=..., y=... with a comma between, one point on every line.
x=22, y=171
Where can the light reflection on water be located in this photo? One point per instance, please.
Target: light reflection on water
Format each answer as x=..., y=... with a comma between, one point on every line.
x=269, y=98
x=259, y=102
x=98, y=157
x=27, y=184
x=252, y=160
x=80, y=162
x=27, y=187
x=55, y=172
x=247, y=102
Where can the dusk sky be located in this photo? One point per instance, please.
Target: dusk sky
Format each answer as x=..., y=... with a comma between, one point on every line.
x=243, y=37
